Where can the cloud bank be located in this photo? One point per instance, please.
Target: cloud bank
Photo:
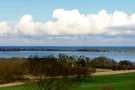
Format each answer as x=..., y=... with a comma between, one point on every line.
x=69, y=24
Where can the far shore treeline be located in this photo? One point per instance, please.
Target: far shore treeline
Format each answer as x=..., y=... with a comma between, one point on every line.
x=76, y=50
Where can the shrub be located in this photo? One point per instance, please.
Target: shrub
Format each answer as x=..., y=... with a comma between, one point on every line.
x=10, y=70
x=103, y=62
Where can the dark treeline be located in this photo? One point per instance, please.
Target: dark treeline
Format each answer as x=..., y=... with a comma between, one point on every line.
x=107, y=63
x=42, y=49
x=27, y=49
x=13, y=69
x=99, y=62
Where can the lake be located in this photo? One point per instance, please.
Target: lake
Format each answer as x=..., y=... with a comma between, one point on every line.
x=113, y=55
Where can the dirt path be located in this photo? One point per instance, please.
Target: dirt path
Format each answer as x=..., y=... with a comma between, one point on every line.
x=112, y=72
x=11, y=84
x=99, y=72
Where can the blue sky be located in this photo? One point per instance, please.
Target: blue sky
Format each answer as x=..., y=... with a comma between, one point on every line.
x=67, y=22
x=42, y=10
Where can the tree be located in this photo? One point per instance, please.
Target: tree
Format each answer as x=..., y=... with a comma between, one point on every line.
x=54, y=74
x=126, y=64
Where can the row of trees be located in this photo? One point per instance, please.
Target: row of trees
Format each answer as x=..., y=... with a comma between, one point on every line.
x=107, y=63
x=56, y=73
x=100, y=62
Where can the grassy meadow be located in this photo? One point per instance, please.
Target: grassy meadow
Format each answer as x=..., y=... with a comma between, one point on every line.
x=119, y=82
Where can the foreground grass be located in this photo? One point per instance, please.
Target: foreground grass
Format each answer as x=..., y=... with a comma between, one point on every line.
x=120, y=82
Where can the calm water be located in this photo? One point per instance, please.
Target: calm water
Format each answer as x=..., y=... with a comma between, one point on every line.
x=116, y=56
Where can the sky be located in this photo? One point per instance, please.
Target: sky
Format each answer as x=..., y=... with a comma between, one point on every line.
x=67, y=23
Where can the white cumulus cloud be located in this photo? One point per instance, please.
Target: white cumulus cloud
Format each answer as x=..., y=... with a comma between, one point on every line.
x=72, y=22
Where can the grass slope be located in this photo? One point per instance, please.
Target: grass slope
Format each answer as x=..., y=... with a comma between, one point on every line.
x=120, y=82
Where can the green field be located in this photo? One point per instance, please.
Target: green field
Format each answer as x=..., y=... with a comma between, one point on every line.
x=120, y=82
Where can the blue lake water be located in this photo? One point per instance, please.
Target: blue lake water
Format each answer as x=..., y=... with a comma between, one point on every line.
x=112, y=55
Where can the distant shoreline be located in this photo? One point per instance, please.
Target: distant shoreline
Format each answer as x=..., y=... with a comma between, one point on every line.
x=113, y=49
x=54, y=50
